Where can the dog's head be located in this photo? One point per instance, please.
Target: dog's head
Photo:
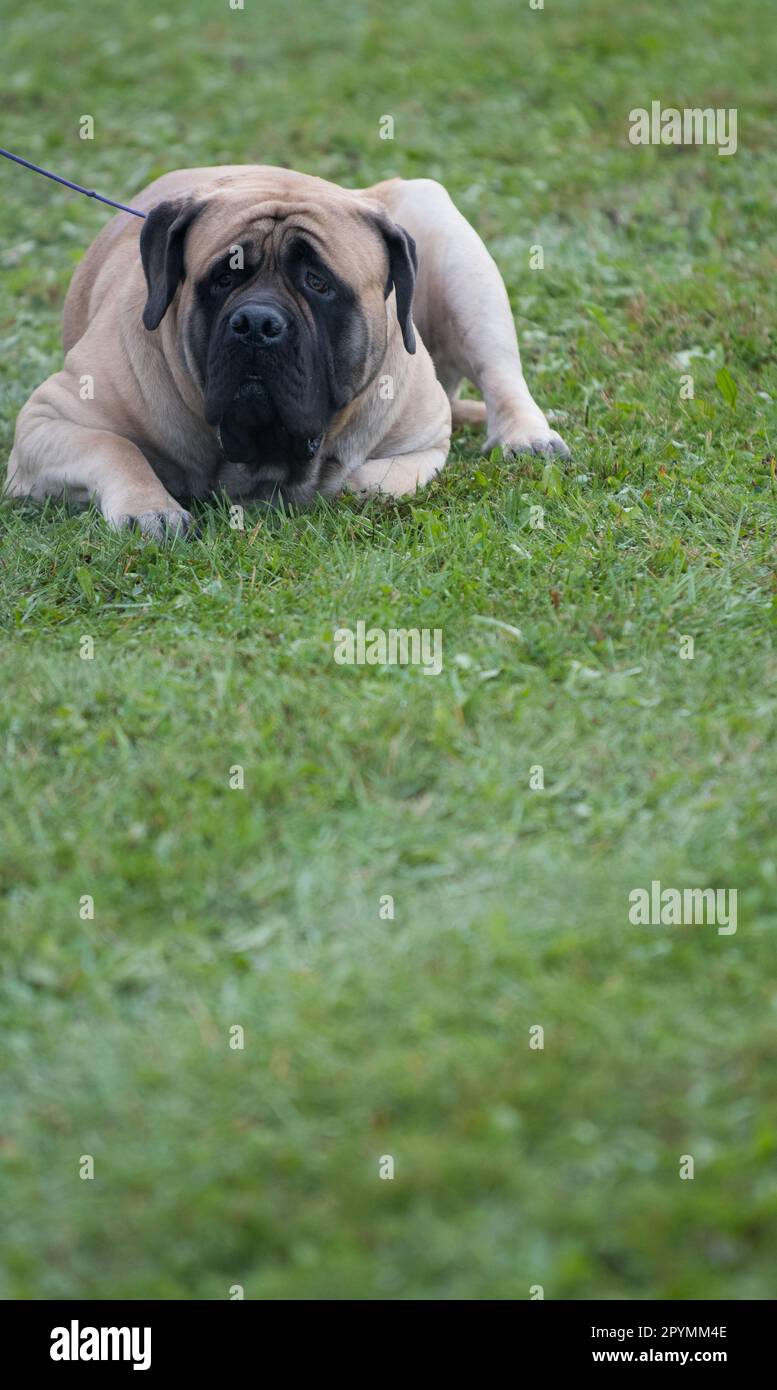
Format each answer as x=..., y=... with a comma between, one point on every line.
x=280, y=313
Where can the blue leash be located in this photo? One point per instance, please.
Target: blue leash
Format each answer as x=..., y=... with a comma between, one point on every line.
x=88, y=193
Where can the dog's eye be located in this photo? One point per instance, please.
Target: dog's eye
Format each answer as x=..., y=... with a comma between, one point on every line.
x=224, y=280
x=316, y=282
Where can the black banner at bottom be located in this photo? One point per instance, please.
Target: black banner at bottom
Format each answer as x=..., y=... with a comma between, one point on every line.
x=63, y=1340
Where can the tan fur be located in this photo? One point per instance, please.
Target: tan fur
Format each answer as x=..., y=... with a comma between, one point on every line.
x=147, y=400
x=468, y=412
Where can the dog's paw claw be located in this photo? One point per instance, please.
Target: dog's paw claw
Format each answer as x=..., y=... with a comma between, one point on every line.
x=547, y=444
x=168, y=524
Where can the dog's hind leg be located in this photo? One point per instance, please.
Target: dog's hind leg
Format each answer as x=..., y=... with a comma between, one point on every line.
x=463, y=314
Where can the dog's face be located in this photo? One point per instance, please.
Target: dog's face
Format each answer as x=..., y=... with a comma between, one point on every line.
x=281, y=318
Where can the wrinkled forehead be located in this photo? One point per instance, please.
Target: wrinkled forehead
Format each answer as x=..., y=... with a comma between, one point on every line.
x=339, y=230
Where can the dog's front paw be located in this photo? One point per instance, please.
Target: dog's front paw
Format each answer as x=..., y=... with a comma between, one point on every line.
x=168, y=524
x=396, y=477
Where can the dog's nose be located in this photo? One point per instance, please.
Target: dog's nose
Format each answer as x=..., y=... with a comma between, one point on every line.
x=259, y=323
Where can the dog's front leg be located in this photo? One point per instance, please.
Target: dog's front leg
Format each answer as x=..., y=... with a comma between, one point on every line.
x=52, y=456
x=397, y=476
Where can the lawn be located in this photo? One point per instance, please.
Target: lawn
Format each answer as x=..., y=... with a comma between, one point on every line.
x=366, y=1036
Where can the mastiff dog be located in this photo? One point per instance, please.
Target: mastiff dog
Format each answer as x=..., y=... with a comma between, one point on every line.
x=269, y=335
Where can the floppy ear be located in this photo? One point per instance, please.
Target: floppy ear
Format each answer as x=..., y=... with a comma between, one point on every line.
x=161, y=251
x=403, y=265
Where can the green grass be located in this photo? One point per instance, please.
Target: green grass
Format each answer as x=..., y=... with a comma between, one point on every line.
x=213, y=907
